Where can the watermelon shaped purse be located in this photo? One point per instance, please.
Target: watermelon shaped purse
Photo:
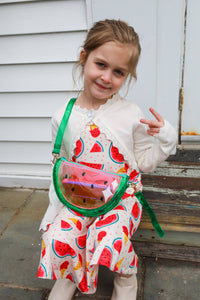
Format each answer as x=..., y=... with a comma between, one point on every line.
x=86, y=190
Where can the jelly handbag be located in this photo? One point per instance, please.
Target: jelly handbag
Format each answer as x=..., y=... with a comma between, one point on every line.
x=86, y=190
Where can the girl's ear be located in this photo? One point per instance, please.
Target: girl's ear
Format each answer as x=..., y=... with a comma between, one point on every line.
x=82, y=57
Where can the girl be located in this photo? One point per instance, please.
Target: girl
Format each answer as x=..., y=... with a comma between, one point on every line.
x=101, y=117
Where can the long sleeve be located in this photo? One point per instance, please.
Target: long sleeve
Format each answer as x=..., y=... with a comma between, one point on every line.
x=55, y=204
x=53, y=209
x=150, y=153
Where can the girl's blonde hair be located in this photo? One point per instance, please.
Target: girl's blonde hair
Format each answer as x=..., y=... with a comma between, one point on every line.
x=113, y=31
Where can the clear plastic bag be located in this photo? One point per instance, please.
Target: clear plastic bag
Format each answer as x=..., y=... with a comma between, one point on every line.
x=87, y=190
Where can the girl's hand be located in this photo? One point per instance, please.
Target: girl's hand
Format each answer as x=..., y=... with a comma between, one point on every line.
x=154, y=126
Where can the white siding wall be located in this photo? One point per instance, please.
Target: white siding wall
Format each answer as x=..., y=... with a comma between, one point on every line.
x=39, y=42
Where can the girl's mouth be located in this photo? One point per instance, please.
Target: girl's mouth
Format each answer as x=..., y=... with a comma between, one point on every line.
x=103, y=87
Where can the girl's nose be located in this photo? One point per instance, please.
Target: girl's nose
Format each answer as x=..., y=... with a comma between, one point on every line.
x=106, y=76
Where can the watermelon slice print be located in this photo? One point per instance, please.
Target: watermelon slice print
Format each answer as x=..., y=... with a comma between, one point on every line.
x=131, y=226
x=105, y=257
x=101, y=235
x=133, y=175
x=117, y=244
x=135, y=211
x=70, y=277
x=42, y=272
x=65, y=226
x=95, y=282
x=97, y=147
x=130, y=248
x=120, y=207
x=63, y=268
x=112, y=219
x=94, y=131
x=115, y=155
x=62, y=249
x=83, y=284
x=81, y=241
x=132, y=265
x=64, y=265
x=91, y=165
x=79, y=147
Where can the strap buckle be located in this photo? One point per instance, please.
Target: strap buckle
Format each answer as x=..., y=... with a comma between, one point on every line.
x=55, y=158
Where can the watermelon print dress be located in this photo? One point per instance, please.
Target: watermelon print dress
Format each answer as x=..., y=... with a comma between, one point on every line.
x=74, y=246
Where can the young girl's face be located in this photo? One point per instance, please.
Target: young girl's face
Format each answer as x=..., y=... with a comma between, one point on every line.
x=105, y=70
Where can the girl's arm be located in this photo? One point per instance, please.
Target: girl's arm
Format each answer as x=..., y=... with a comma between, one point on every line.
x=55, y=204
x=149, y=153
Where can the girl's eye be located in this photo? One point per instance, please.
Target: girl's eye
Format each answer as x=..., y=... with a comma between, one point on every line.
x=119, y=72
x=101, y=65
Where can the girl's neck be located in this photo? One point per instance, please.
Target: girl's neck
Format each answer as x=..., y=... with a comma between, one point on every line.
x=89, y=103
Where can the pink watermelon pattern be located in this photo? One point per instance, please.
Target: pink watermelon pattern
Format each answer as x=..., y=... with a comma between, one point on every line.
x=62, y=250
x=81, y=241
x=134, y=263
x=94, y=131
x=120, y=207
x=125, y=230
x=115, y=155
x=79, y=147
x=91, y=165
x=110, y=220
x=83, y=284
x=97, y=147
x=133, y=175
x=105, y=257
x=70, y=277
x=42, y=273
x=130, y=248
x=101, y=235
x=136, y=211
x=65, y=226
x=117, y=244
x=131, y=226
x=64, y=265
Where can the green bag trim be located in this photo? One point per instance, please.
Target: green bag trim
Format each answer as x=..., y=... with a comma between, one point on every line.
x=63, y=124
x=118, y=194
x=151, y=214
x=90, y=212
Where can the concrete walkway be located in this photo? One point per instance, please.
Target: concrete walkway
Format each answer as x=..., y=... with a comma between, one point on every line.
x=21, y=211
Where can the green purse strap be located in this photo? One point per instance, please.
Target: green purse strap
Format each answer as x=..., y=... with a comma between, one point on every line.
x=61, y=129
x=151, y=214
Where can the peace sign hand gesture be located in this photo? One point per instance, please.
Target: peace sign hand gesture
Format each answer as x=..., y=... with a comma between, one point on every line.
x=154, y=126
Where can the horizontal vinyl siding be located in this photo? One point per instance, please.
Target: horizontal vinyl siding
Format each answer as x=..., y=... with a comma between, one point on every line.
x=39, y=43
x=18, y=129
x=40, y=48
x=42, y=16
x=36, y=77
x=28, y=104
